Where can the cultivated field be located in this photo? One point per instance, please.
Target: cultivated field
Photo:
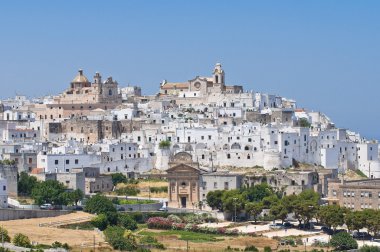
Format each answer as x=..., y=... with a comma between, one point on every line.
x=47, y=235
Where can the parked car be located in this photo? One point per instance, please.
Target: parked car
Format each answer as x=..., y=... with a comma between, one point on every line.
x=361, y=235
x=288, y=225
x=163, y=209
x=306, y=226
x=276, y=226
x=47, y=207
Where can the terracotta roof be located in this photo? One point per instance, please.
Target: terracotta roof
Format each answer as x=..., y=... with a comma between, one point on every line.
x=171, y=85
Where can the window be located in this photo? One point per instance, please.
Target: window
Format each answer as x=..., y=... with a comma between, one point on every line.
x=76, y=161
x=203, y=156
x=56, y=162
x=209, y=137
x=249, y=140
x=183, y=184
x=67, y=161
x=228, y=156
x=4, y=188
x=226, y=186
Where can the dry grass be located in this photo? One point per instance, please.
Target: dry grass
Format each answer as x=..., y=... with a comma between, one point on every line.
x=144, y=189
x=48, y=235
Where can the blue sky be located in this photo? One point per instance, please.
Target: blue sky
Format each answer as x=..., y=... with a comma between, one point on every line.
x=324, y=54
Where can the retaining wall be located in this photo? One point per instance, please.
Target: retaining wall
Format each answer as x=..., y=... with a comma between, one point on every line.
x=141, y=207
x=15, y=214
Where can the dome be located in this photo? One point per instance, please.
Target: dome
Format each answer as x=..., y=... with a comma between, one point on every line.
x=80, y=78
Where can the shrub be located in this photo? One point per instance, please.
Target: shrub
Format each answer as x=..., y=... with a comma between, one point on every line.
x=251, y=248
x=367, y=248
x=158, y=189
x=119, y=239
x=4, y=235
x=128, y=190
x=159, y=223
x=343, y=241
x=267, y=249
x=100, y=221
x=118, y=178
x=174, y=218
x=21, y=240
x=57, y=244
x=127, y=222
x=150, y=240
x=99, y=204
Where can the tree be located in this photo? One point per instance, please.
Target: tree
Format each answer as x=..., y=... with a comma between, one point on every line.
x=26, y=184
x=119, y=239
x=127, y=222
x=279, y=211
x=343, y=241
x=118, y=178
x=372, y=222
x=4, y=235
x=254, y=209
x=99, y=204
x=21, y=240
x=306, y=205
x=270, y=200
x=232, y=201
x=355, y=220
x=303, y=122
x=50, y=191
x=332, y=215
x=165, y=144
x=100, y=221
x=258, y=192
x=73, y=197
x=214, y=199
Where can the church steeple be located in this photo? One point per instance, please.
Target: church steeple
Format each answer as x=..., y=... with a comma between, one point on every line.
x=218, y=74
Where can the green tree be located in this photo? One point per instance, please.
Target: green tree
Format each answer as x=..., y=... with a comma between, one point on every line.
x=232, y=201
x=343, y=241
x=4, y=235
x=74, y=197
x=372, y=222
x=258, y=192
x=50, y=191
x=279, y=211
x=118, y=178
x=355, y=220
x=100, y=221
x=165, y=144
x=270, y=200
x=21, y=240
x=306, y=205
x=99, y=204
x=303, y=122
x=332, y=215
x=214, y=199
x=254, y=209
x=26, y=184
x=119, y=239
x=127, y=222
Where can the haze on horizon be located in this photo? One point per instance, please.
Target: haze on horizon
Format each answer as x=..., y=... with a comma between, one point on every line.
x=323, y=54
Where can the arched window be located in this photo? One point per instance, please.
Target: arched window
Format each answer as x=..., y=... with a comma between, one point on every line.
x=183, y=184
x=248, y=156
x=110, y=92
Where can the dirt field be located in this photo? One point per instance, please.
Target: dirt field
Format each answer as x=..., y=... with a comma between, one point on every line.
x=144, y=189
x=47, y=235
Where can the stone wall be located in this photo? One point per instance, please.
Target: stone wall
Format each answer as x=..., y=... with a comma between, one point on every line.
x=15, y=214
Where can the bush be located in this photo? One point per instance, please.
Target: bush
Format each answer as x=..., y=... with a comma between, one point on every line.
x=117, y=238
x=150, y=240
x=118, y=178
x=100, y=221
x=21, y=240
x=57, y=244
x=158, y=189
x=174, y=218
x=99, y=204
x=267, y=249
x=127, y=222
x=128, y=190
x=251, y=248
x=367, y=248
x=343, y=241
x=159, y=223
x=4, y=235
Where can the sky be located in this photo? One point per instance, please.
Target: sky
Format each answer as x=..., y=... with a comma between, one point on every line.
x=323, y=54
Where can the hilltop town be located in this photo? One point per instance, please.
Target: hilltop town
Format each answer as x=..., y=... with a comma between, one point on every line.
x=195, y=136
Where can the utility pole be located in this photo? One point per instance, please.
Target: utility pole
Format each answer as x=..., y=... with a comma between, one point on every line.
x=94, y=243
